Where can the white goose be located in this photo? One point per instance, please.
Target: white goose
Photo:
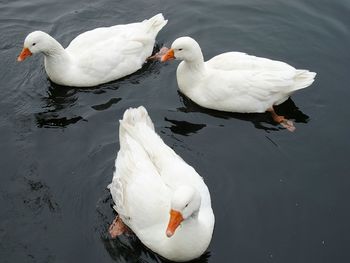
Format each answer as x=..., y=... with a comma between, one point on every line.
x=235, y=81
x=97, y=56
x=161, y=198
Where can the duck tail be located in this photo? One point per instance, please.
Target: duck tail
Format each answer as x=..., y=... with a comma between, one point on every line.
x=134, y=116
x=138, y=126
x=303, y=79
x=156, y=23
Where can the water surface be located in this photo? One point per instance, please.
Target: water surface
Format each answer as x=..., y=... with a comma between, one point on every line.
x=277, y=196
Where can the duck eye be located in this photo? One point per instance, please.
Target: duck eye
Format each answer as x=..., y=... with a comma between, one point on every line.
x=186, y=205
x=180, y=49
x=34, y=44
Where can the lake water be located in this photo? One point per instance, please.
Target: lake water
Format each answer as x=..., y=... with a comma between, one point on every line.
x=277, y=196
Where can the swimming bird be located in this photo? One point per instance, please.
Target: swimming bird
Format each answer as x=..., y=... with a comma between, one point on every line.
x=235, y=81
x=157, y=195
x=96, y=56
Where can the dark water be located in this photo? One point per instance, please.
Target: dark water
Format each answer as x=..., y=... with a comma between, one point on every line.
x=277, y=196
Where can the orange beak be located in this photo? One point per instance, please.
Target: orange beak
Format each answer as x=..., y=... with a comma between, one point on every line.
x=24, y=54
x=168, y=56
x=174, y=221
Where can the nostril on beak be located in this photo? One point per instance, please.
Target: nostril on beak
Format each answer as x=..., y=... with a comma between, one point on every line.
x=169, y=233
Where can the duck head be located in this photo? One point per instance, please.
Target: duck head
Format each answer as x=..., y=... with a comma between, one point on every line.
x=37, y=42
x=184, y=48
x=185, y=206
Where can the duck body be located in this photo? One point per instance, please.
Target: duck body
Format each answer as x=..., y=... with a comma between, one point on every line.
x=148, y=174
x=235, y=81
x=99, y=55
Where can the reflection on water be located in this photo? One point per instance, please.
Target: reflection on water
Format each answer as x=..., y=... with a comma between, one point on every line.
x=45, y=120
x=130, y=249
x=55, y=114
x=106, y=105
x=183, y=127
x=39, y=196
x=259, y=120
x=60, y=96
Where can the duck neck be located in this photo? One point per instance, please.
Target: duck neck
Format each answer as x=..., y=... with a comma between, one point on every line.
x=196, y=64
x=57, y=61
x=54, y=49
x=188, y=73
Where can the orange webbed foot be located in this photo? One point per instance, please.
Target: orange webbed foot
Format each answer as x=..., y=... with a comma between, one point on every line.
x=285, y=123
x=118, y=228
x=288, y=124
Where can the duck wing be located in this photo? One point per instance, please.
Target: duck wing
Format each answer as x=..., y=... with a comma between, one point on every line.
x=243, y=61
x=140, y=196
x=173, y=170
x=107, y=53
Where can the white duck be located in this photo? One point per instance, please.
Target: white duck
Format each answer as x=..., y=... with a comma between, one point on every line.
x=97, y=56
x=235, y=81
x=161, y=198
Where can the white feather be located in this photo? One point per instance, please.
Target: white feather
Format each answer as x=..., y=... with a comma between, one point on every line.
x=235, y=81
x=146, y=176
x=99, y=55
